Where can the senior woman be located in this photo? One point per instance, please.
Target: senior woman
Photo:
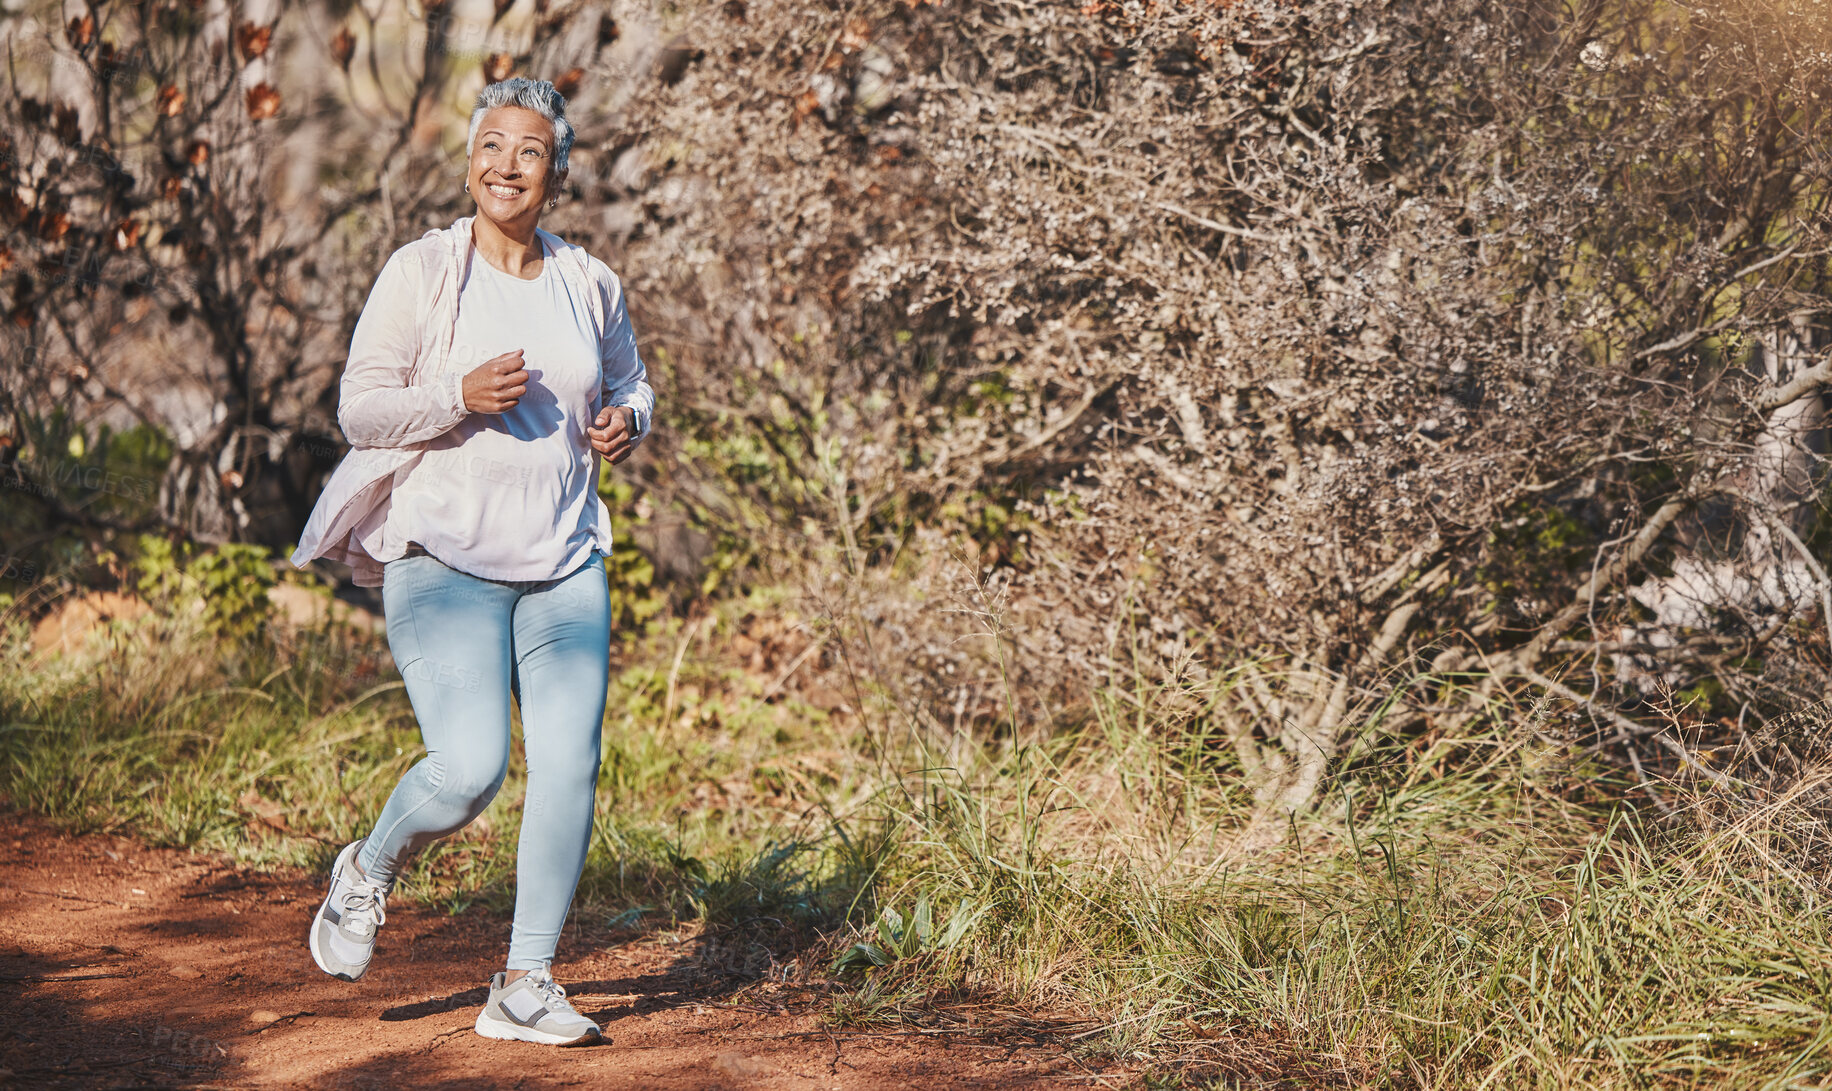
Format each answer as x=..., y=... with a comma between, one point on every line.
x=492, y=368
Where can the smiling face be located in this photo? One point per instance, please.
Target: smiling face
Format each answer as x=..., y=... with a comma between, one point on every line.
x=511, y=170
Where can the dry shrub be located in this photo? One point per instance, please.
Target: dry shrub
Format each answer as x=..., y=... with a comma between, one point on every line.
x=1356, y=334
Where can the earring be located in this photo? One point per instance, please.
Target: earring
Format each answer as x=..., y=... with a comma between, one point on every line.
x=467, y=185
x=555, y=203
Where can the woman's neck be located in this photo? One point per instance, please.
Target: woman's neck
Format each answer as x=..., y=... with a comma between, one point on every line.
x=510, y=249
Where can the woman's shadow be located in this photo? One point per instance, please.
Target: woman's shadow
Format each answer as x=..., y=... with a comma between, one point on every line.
x=716, y=963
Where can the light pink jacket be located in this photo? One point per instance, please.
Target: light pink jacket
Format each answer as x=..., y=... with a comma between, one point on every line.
x=397, y=393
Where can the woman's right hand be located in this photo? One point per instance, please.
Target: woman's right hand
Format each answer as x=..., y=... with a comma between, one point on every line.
x=496, y=386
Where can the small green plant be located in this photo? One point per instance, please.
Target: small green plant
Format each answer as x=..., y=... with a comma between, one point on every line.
x=234, y=580
x=231, y=581
x=898, y=939
x=161, y=574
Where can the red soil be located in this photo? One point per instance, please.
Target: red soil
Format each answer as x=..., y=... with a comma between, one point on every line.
x=124, y=966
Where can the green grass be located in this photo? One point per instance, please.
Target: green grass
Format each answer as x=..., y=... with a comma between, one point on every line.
x=1478, y=912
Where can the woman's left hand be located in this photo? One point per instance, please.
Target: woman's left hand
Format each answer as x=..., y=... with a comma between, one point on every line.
x=613, y=434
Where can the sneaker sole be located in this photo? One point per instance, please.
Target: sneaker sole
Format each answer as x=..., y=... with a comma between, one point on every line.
x=510, y=1032
x=311, y=937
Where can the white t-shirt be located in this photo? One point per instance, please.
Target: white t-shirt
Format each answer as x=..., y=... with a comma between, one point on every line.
x=513, y=496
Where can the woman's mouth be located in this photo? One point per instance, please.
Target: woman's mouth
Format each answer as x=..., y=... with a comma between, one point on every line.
x=504, y=192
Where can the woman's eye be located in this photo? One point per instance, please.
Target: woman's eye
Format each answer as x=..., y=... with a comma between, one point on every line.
x=491, y=144
x=531, y=154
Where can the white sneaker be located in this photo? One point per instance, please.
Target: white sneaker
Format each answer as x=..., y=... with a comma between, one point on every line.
x=343, y=932
x=534, y=1009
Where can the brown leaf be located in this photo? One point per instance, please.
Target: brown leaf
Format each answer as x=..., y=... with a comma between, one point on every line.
x=343, y=47
x=232, y=479
x=607, y=31
x=263, y=101
x=171, y=101
x=127, y=234
x=497, y=67
x=251, y=41
x=6, y=259
x=857, y=34
x=568, y=83
x=171, y=188
x=197, y=153
x=263, y=809
x=69, y=129
x=81, y=30
x=54, y=227
x=806, y=103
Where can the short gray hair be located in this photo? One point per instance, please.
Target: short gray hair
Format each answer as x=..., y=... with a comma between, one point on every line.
x=536, y=95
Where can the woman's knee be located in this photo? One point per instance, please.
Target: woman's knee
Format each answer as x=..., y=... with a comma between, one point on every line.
x=470, y=783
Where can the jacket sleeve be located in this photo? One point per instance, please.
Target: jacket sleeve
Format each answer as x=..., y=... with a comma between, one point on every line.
x=376, y=405
x=625, y=380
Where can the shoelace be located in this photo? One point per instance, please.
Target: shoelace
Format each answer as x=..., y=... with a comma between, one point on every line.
x=365, y=908
x=550, y=990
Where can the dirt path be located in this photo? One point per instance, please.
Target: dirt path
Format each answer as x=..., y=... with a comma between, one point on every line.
x=124, y=966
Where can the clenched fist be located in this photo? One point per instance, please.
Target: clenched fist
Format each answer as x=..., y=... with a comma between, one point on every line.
x=498, y=385
x=613, y=434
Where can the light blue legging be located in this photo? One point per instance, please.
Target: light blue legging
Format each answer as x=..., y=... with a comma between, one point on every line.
x=462, y=645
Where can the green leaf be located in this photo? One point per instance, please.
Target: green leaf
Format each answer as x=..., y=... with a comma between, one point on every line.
x=960, y=922
x=890, y=928
x=861, y=955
